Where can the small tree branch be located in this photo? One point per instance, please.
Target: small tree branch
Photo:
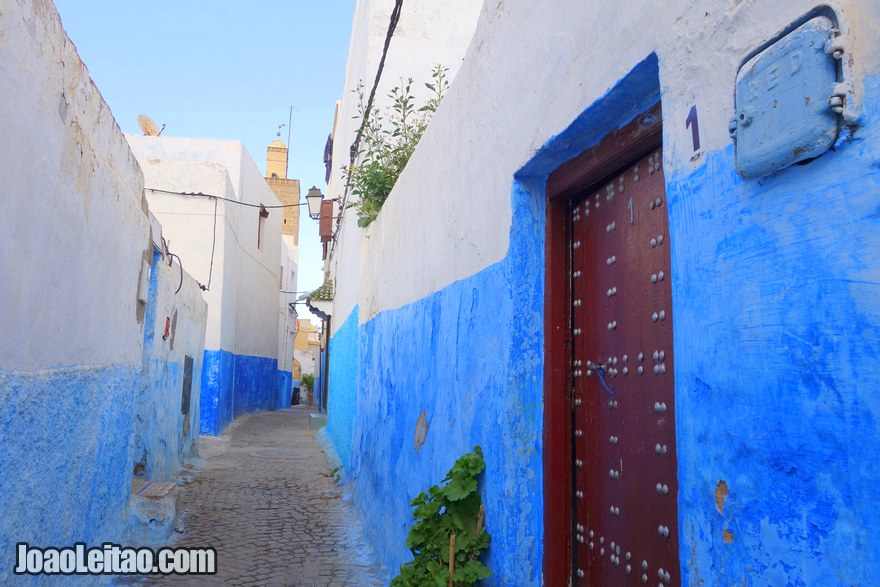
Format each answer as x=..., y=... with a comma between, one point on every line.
x=451, y=558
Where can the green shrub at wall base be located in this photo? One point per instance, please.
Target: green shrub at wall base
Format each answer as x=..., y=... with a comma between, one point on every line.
x=443, y=511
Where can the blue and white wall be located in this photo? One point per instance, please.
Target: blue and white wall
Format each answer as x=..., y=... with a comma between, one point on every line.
x=243, y=366
x=775, y=292
x=287, y=321
x=428, y=34
x=164, y=435
x=77, y=387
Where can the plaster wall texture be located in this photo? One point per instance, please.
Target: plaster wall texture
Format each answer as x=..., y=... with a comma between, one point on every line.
x=308, y=360
x=343, y=383
x=428, y=33
x=59, y=128
x=74, y=234
x=188, y=228
x=75, y=371
x=258, y=268
x=250, y=264
x=567, y=70
x=164, y=435
x=774, y=292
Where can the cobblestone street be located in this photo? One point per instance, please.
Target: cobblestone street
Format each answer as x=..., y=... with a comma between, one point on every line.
x=267, y=502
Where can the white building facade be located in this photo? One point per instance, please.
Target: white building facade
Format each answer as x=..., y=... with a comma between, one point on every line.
x=231, y=243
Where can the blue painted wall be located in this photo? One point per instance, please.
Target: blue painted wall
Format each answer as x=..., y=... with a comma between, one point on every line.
x=777, y=330
x=342, y=396
x=255, y=384
x=233, y=385
x=776, y=284
x=65, y=471
x=285, y=389
x=471, y=357
x=457, y=356
x=218, y=371
x=158, y=440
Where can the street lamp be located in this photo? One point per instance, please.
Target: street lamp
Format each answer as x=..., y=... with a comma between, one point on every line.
x=314, y=198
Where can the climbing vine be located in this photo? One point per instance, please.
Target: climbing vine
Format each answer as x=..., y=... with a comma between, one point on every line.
x=388, y=141
x=448, y=536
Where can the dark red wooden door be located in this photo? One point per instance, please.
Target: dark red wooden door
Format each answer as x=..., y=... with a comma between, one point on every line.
x=625, y=520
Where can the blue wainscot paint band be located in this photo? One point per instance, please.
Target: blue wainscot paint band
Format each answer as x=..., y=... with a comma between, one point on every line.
x=471, y=356
x=233, y=385
x=777, y=333
x=77, y=489
x=772, y=376
x=342, y=396
x=218, y=369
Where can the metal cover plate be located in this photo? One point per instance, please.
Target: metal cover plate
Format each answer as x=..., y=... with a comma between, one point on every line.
x=782, y=110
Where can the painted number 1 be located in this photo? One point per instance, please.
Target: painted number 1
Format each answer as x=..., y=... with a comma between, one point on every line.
x=692, y=123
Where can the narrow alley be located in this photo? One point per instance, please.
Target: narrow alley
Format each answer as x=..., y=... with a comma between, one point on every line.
x=582, y=293
x=267, y=502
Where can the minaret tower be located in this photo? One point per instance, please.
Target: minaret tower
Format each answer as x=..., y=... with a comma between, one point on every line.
x=287, y=190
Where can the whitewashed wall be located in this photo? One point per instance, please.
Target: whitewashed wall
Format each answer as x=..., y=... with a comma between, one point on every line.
x=71, y=194
x=428, y=33
x=188, y=228
x=250, y=312
x=308, y=360
x=75, y=235
x=529, y=72
x=774, y=289
x=286, y=321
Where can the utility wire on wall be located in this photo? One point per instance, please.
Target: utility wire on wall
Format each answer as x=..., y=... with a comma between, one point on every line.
x=353, y=150
x=207, y=287
x=230, y=200
x=171, y=256
x=213, y=245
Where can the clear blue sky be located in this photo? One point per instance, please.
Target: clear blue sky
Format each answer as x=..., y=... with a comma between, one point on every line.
x=225, y=69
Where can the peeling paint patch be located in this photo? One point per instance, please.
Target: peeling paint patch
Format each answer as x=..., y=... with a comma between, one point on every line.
x=721, y=492
x=421, y=431
x=727, y=536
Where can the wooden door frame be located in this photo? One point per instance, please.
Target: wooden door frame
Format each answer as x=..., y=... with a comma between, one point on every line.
x=615, y=151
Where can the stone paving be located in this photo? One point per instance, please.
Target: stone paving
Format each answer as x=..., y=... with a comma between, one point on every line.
x=267, y=502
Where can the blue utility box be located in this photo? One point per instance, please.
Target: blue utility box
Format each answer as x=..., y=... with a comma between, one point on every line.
x=786, y=107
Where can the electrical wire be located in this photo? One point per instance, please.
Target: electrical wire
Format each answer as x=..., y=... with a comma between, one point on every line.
x=213, y=245
x=395, y=17
x=171, y=257
x=230, y=200
x=353, y=150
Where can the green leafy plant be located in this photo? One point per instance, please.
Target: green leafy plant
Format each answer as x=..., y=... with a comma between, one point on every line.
x=308, y=380
x=448, y=518
x=388, y=141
